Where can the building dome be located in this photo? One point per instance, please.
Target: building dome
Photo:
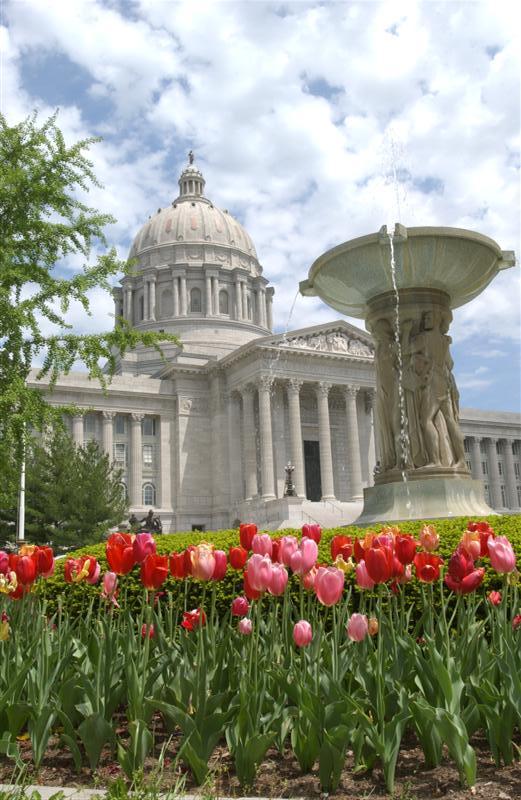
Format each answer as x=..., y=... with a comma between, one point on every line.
x=194, y=219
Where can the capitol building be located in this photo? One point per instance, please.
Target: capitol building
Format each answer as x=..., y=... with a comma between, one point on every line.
x=203, y=435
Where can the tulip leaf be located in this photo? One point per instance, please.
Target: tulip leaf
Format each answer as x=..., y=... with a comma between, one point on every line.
x=95, y=732
x=141, y=741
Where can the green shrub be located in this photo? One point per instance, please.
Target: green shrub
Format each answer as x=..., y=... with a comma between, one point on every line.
x=76, y=597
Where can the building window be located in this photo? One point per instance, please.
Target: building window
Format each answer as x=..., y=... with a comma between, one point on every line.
x=120, y=424
x=141, y=303
x=515, y=447
x=195, y=300
x=466, y=445
x=484, y=467
x=199, y=527
x=500, y=467
x=224, y=303
x=149, y=494
x=503, y=497
x=149, y=426
x=498, y=447
x=483, y=446
x=120, y=453
x=517, y=470
x=469, y=465
x=148, y=455
x=89, y=424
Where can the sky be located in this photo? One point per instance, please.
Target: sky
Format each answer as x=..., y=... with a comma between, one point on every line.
x=313, y=123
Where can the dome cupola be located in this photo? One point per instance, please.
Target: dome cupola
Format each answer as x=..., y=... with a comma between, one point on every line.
x=191, y=181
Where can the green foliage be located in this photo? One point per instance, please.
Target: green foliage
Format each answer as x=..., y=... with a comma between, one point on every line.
x=44, y=221
x=75, y=596
x=72, y=494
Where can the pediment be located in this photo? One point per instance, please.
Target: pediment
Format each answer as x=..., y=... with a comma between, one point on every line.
x=338, y=338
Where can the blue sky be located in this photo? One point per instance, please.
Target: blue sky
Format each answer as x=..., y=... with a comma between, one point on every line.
x=312, y=122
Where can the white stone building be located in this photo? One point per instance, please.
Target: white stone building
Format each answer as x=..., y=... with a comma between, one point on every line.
x=204, y=435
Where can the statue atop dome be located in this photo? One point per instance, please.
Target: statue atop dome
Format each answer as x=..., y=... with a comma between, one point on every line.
x=191, y=157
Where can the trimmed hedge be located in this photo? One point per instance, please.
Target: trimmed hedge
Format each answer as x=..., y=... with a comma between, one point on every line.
x=76, y=597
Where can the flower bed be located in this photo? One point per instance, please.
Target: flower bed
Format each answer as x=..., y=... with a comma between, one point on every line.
x=338, y=670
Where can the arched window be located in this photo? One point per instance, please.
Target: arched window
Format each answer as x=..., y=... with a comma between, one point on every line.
x=123, y=488
x=195, y=299
x=141, y=308
x=149, y=494
x=223, y=302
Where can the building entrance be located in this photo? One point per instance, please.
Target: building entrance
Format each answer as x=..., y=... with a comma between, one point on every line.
x=312, y=467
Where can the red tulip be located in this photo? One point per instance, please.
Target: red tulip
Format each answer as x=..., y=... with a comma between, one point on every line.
x=179, y=568
x=468, y=583
x=26, y=569
x=193, y=619
x=312, y=532
x=380, y=563
x=329, y=585
x=516, y=622
x=144, y=545
x=341, y=546
x=85, y=568
x=147, y=631
x=4, y=563
x=154, y=571
x=246, y=534
x=120, y=553
x=494, y=598
x=357, y=627
x=44, y=561
x=484, y=531
x=427, y=567
x=405, y=548
x=275, y=550
x=502, y=556
x=221, y=564
x=240, y=607
x=302, y=633
x=249, y=591
x=238, y=557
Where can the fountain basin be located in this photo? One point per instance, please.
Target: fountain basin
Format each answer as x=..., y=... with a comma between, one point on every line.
x=458, y=262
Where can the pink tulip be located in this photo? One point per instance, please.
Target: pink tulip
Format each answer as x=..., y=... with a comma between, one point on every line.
x=240, y=607
x=262, y=544
x=147, y=631
x=245, y=626
x=384, y=540
x=329, y=585
x=357, y=627
x=94, y=578
x=203, y=561
x=278, y=580
x=4, y=563
x=363, y=578
x=221, y=563
x=287, y=546
x=308, y=579
x=258, y=570
x=312, y=532
x=502, y=556
x=302, y=633
x=110, y=584
x=309, y=549
x=144, y=545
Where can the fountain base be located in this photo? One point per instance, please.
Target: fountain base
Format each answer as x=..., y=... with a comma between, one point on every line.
x=423, y=499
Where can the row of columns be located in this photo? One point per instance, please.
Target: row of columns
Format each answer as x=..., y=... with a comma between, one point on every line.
x=493, y=478
x=135, y=462
x=293, y=387
x=263, y=317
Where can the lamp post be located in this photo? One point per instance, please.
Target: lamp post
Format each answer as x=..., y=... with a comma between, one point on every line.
x=289, y=486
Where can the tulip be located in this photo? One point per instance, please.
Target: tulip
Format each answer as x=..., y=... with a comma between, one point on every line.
x=372, y=626
x=249, y=591
x=26, y=569
x=483, y=530
x=275, y=549
x=261, y=544
x=245, y=626
x=312, y=532
x=193, y=619
x=5, y=630
x=85, y=568
x=246, y=534
x=380, y=563
x=110, y=584
x=287, y=546
x=8, y=582
x=516, y=622
x=468, y=583
x=385, y=539
x=308, y=579
x=278, y=580
x=305, y=557
x=238, y=557
x=346, y=566
x=361, y=545
x=427, y=567
x=120, y=553
x=179, y=568
x=494, y=598
x=329, y=585
x=302, y=633
x=405, y=548
x=240, y=607
x=471, y=544
x=429, y=539
x=502, y=556
x=259, y=570
x=460, y=564
x=357, y=627
x=203, y=561
x=4, y=563
x=147, y=631
x=341, y=546
x=143, y=546
x=221, y=564
x=44, y=561
x=154, y=571
x=363, y=578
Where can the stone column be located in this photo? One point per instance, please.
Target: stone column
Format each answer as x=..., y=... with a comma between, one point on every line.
x=77, y=430
x=496, y=500
x=510, y=475
x=136, y=461
x=475, y=457
x=208, y=295
x=165, y=476
x=153, y=299
x=295, y=436
x=184, y=297
x=353, y=445
x=266, y=437
x=175, y=293
x=248, y=439
x=215, y=286
x=238, y=299
x=262, y=307
x=269, y=308
x=244, y=300
x=128, y=305
x=234, y=452
x=146, y=301
x=324, y=436
x=108, y=433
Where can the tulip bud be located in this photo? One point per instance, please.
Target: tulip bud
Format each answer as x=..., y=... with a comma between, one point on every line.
x=245, y=626
x=240, y=607
x=302, y=633
x=429, y=539
x=494, y=598
x=502, y=556
x=372, y=626
x=357, y=627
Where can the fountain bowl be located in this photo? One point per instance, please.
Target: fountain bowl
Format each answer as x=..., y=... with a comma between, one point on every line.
x=459, y=262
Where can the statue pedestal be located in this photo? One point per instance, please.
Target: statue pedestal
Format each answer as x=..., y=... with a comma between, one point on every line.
x=424, y=499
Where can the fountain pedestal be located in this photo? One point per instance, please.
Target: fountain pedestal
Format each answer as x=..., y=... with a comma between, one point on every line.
x=404, y=285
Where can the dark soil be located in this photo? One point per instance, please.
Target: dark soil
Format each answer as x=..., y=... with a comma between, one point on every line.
x=279, y=775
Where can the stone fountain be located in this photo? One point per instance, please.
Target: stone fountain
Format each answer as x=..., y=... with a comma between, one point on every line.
x=404, y=284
